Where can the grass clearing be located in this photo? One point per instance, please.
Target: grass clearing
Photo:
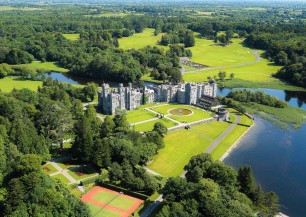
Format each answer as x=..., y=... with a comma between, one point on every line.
x=7, y=84
x=180, y=146
x=49, y=169
x=141, y=40
x=148, y=126
x=46, y=66
x=72, y=37
x=62, y=178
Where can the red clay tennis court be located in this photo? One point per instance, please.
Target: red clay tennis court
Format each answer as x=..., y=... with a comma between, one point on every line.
x=107, y=203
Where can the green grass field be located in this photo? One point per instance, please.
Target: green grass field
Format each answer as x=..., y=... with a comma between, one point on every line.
x=98, y=211
x=72, y=37
x=148, y=126
x=7, y=84
x=211, y=129
x=139, y=115
x=62, y=178
x=47, y=66
x=141, y=40
x=180, y=146
x=49, y=169
x=228, y=141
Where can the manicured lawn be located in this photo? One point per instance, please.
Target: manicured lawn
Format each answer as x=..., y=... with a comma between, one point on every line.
x=49, y=169
x=141, y=40
x=72, y=37
x=180, y=146
x=228, y=141
x=98, y=211
x=62, y=178
x=47, y=66
x=81, y=172
x=139, y=115
x=148, y=126
x=198, y=114
x=211, y=129
x=7, y=84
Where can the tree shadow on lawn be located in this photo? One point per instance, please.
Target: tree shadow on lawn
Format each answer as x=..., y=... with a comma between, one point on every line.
x=82, y=170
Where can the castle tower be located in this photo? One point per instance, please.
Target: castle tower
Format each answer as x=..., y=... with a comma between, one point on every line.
x=122, y=104
x=105, y=98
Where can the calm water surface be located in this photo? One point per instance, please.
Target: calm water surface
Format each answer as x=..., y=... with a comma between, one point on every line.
x=278, y=160
x=277, y=156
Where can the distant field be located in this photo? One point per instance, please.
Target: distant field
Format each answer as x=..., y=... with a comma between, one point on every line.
x=47, y=66
x=234, y=58
x=8, y=8
x=7, y=84
x=113, y=14
x=258, y=72
x=208, y=53
x=141, y=40
x=72, y=37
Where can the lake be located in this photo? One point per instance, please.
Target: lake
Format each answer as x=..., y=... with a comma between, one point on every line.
x=277, y=156
x=278, y=160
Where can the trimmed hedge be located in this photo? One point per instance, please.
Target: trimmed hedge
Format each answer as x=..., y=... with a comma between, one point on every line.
x=124, y=190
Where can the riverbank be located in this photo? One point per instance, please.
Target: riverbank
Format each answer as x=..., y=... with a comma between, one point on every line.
x=236, y=143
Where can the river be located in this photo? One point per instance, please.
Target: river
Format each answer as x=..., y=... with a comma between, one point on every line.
x=277, y=156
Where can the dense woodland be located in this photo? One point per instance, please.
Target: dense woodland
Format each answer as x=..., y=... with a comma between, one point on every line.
x=214, y=189
x=38, y=35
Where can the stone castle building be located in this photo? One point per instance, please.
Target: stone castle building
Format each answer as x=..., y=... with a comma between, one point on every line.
x=129, y=98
